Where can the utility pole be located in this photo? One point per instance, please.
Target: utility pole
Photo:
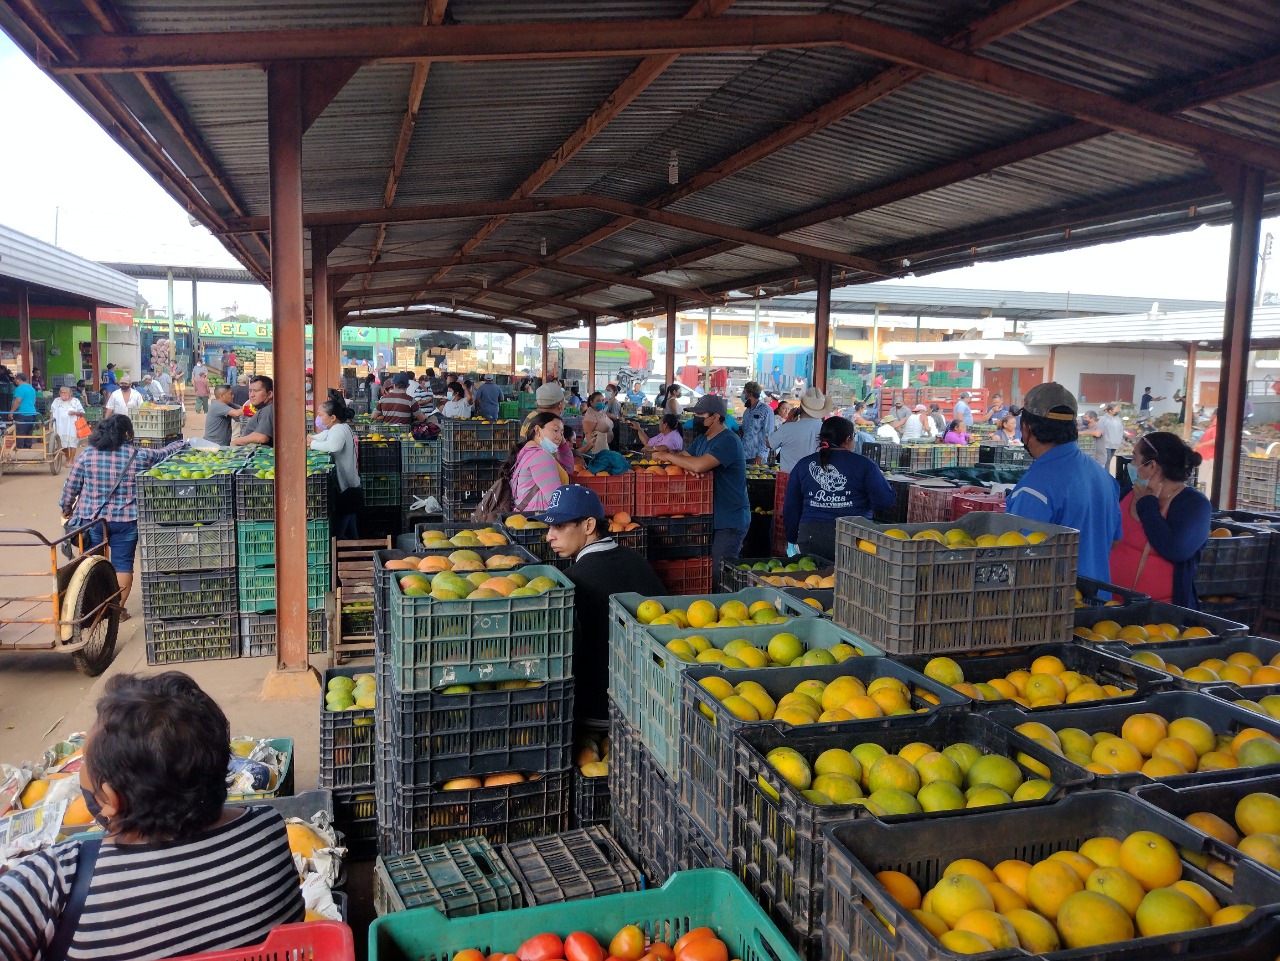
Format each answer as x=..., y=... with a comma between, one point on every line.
x=1262, y=270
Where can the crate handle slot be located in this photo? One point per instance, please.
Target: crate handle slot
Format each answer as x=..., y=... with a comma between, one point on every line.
x=765, y=945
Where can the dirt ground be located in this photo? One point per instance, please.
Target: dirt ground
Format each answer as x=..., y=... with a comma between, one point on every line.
x=43, y=698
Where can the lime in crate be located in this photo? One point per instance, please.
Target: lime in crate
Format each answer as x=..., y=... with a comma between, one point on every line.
x=984, y=582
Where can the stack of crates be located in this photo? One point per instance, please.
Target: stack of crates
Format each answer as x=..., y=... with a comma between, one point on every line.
x=1259, y=487
x=472, y=453
x=157, y=426
x=478, y=692
x=1233, y=572
x=348, y=768
x=460, y=879
x=419, y=478
x=378, y=460
x=255, y=544
x=187, y=547
x=678, y=547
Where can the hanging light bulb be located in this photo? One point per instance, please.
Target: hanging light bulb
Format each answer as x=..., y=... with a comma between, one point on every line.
x=543, y=248
x=673, y=168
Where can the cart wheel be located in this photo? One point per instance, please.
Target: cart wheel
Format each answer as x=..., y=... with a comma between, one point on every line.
x=98, y=586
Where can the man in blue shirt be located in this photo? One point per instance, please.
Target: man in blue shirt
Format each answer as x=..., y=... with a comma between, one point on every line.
x=1064, y=485
x=25, y=415
x=636, y=395
x=717, y=449
x=757, y=424
x=488, y=397
x=963, y=411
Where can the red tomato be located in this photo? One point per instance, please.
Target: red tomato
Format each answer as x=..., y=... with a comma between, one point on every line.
x=704, y=949
x=581, y=946
x=662, y=950
x=694, y=935
x=628, y=944
x=542, y=947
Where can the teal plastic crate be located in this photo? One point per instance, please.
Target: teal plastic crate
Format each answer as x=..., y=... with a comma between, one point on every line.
x=509, y=409
x=436, y=643
x=284, y=783
x=460, y=879
x=258, y=588
x=256, y=543
x=690, y=899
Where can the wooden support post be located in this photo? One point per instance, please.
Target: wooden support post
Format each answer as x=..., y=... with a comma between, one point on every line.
x=591, y=356
x=671, y=341
x=292, y=677
x=821, y=325
x=95, y=359
x=24, y=328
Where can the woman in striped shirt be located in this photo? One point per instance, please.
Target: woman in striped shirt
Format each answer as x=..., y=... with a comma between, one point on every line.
x=534, y=471
x=177, y=872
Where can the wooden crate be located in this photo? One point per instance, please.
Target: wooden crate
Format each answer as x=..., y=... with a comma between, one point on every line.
x=353, y=571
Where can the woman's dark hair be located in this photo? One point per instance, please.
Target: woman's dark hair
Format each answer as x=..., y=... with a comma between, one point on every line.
x=112, y=433
x=834, y=434
x=457, y=390
x=541, y=419
x=660, y=397
x=1005, y=419
x=670, y=422
x=956, y=425
x=163, y=744
x=1175, y=458
x=1048, y=431
x=591, y=398
x=569, y=433
x=336, y=406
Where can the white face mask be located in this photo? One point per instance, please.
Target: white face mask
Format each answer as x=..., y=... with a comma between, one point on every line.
x=550, y=446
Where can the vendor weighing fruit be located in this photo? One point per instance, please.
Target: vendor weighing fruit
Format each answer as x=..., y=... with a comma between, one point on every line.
x=601, y=567
x=178, y=872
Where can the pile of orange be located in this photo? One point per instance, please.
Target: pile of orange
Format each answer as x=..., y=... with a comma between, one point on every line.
x=1140, y=633
x=1240, y=668
x=1045, y=682
x=1109, y=890
x=1254, y=830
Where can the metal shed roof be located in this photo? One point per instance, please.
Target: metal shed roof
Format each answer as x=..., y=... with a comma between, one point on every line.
x=545, y=160
x=58, y=278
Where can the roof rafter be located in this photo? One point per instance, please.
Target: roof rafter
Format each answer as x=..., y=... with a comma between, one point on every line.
x=631, y=87
x=1010, y=18
x=424, y=289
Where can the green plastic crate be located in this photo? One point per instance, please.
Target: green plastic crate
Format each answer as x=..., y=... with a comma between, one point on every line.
x=380, y=490
x=258, y=588
x=689, y=900
x=256, y=543
x=509, y=409
x=459, y=879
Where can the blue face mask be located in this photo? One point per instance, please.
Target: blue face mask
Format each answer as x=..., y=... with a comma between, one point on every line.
x=600, y=406
x=1133, y=474
x=550, y=446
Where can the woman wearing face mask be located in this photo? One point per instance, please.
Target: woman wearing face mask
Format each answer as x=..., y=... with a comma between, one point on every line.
x=597, y=426
x=177, y=872
x=1164, y=523
x=337, y=438
x=534, y=471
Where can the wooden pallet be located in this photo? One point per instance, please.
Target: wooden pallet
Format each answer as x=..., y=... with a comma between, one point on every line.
x=353, y=572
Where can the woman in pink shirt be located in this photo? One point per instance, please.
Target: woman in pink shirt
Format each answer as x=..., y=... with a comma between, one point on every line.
x=668, y=438
x=956, y=433
x=534, y=471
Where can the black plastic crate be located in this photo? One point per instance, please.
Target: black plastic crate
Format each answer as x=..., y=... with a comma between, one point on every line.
x=256, y=496
x=475, y=440
x=416, y=486
x=1154, y=612
x=706, y=740
x=534, y=540
x=347, y=742
x=1186, y=654
x=884, y=454
x=623, y=781
x=1234, y=566
x=423, y=816
x=380, y=456
x=196, y=639
x=1242, y=609
x=435, y=737
x=419, y=456
x=473, y=477
x=258, y=634
x=156, y=443
x=1103, y=666
x=179, y=501
x=380, y=522
x=821, y=599
x=678, y=538
x=459, y=507
x=460, y=879
x=1004, y=455
x=901, y=484
x=921, y=850
x=173, y=550
x=1091, y=593
x=592, y=802
x=734, y=577
x=192, y=594
x=697, y=850
x=380, y=490
x=645, y=800
x=778, y=845
x=578, y=864
x=1223, y=717
x=355, y=814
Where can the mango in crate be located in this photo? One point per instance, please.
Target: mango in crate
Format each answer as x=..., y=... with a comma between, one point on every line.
x=1043, y=682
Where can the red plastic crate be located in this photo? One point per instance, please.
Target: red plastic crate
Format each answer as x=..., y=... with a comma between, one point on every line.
x=686, y=577
x=927, y=505
x=968, y=503
x=661, y=495
x=311, y=941
x=617, y=491
x=779, y=500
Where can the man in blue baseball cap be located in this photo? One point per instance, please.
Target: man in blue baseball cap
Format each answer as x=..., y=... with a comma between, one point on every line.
x=578, y=529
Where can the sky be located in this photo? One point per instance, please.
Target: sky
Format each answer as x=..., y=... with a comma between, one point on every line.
x=60, y=171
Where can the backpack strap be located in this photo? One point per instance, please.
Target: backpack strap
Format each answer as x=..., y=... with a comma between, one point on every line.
x=69, y=919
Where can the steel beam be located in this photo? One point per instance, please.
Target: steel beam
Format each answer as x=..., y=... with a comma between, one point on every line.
x=671, y=341
x=284, y=133
x=821, y=326
x=24, y=327
x=592, y=333
x=323, y=326
x=1246, y=231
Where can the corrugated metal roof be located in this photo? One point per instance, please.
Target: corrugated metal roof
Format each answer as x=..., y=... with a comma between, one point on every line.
x=61, y=274
x=484, y=128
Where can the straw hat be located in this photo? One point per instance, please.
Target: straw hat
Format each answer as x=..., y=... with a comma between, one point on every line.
x=814, y=403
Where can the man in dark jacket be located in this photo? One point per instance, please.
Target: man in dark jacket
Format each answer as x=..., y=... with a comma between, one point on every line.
x=601, y=567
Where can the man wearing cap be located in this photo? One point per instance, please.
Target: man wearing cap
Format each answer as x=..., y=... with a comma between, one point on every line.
x=601, y=567
x=757, y=424
x=487, y=398
x=396, y=407
x=1064, y=485
x=919, y=425
x=799, y=438
x=550, y=399
x=963, y=411
x=718, y=450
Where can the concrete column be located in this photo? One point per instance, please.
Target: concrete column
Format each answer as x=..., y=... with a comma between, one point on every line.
x=284, y=136
x=822, y=326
